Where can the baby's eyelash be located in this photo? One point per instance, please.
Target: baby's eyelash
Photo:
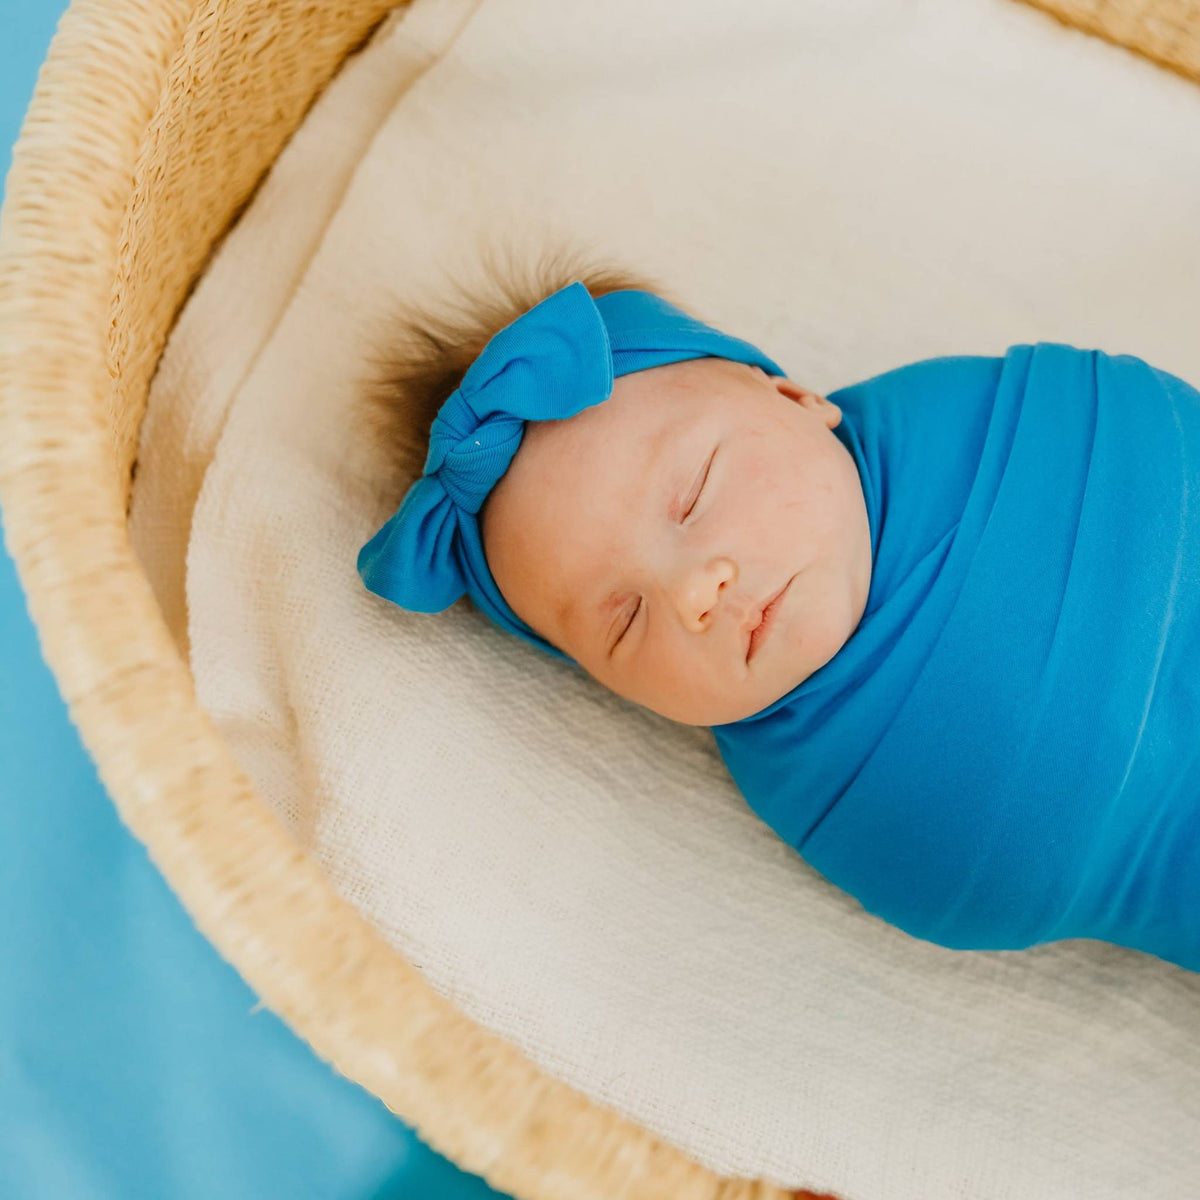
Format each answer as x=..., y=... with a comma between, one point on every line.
x=700, y=489
x=629, y=624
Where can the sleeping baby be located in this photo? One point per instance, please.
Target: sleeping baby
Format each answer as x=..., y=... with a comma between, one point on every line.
x=944, y=624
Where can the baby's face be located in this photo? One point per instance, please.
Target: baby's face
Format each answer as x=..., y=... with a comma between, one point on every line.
x=644, y=535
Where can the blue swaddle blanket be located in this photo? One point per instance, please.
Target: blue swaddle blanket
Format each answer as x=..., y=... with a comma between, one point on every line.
x=1003, y=752
x=1007, y=749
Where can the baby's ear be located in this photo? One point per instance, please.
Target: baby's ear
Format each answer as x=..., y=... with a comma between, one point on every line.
x=825, y=409
x=796, y=391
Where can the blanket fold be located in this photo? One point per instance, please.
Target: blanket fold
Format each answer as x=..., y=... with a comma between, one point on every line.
x=1004, y=752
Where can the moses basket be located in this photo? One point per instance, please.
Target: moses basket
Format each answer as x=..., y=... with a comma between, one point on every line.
x=152, y=123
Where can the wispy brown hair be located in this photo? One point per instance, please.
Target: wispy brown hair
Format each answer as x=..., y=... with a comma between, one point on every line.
x=421, y=351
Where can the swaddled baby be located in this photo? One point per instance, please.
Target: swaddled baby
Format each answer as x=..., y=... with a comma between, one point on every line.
x=944, y=623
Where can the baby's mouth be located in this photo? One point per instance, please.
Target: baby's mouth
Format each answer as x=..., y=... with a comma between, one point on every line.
x=766, y=619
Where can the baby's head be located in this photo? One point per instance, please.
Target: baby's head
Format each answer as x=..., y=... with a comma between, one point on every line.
x=643, y=536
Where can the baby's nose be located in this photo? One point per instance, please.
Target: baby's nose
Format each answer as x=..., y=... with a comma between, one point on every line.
x=699, y=591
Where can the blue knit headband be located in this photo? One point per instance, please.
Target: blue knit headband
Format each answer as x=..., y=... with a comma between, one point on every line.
x=553, y=361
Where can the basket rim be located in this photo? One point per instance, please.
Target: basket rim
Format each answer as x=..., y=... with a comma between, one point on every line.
x=255, y=894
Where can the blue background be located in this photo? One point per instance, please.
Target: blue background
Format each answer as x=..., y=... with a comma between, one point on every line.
x=131, y=1062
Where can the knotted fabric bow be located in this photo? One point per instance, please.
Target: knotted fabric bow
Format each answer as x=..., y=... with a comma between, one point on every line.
x=553, y=361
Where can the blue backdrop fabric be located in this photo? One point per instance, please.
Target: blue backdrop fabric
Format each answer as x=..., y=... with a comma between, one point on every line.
x=132, y=1060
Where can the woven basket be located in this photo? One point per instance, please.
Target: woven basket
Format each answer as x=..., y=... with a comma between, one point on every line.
x=151, y=125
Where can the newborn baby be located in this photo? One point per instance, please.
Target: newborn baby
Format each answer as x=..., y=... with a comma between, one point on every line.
x=723, y=505
x=943, y=623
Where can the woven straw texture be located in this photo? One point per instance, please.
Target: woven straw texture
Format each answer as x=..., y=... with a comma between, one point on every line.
x=151, y=125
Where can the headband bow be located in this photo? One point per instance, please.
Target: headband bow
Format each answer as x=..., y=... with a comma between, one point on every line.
x=556, y=359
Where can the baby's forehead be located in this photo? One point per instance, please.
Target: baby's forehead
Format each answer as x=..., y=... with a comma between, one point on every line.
x=645, y=409
x=688, y=384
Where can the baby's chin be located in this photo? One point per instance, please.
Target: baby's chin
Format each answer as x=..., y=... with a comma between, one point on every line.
x=743, y=704
x=771, y=678
x=735, y=703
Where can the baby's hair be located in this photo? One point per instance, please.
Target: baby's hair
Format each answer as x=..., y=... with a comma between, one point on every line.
x=422, y=350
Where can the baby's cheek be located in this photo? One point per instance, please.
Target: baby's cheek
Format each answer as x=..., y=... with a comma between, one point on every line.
x=775, y=511
x=669, y=671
